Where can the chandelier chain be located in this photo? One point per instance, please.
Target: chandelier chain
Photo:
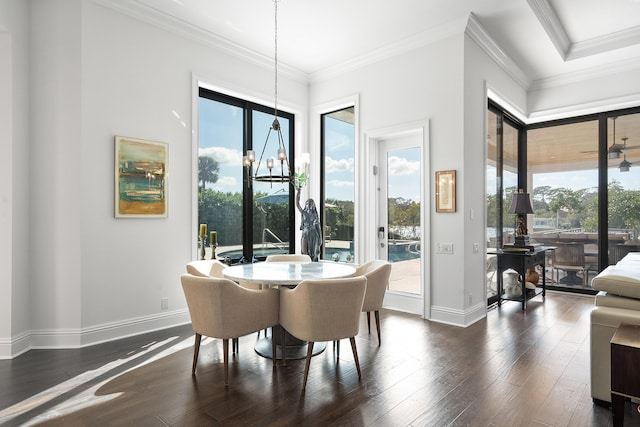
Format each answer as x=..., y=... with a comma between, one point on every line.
x=275, y=58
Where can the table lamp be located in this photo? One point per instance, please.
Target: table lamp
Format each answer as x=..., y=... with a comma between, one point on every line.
x=521, y=205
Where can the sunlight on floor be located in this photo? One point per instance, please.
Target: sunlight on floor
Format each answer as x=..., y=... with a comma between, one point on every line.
x=79, y=392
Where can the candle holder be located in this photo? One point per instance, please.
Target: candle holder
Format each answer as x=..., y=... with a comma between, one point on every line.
x=213, y=250
x=202, y=240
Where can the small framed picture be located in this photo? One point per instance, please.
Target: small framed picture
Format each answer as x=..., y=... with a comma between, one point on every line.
x=140, y=178
x=446, y=191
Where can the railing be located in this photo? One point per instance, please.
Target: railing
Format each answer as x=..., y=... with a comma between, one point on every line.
x=278, y=244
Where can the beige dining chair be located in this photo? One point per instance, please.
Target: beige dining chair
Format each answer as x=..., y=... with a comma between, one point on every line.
x=213, y=268
x=288, y=258
x=323, y=310
x=220, y=308
x=377, y=272
x=206, y=268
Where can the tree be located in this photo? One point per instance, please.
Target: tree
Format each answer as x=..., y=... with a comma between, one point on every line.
x=208, y=170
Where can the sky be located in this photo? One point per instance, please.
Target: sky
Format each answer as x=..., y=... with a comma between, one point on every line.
x=220, y=137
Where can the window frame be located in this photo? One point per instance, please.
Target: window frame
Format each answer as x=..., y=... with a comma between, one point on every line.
x=248, y=107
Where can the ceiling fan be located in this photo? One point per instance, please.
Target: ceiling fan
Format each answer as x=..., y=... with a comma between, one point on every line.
x=614, y=151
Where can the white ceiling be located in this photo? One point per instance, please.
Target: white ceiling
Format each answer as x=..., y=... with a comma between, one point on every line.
x=547, y=39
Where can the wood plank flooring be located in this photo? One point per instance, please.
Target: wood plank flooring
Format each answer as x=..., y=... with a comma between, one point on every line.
x=513, y=368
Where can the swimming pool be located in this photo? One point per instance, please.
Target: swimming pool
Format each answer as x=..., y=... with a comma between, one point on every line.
x=398, y=251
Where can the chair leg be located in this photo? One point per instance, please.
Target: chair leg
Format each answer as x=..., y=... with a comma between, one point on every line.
x=196, y=350
x=273, y=349
x=284, y=346
x=369, y=322
x=235, y=346
x=377, y=315
x=225, y=350
x=355, y=355
x=306, y=365
x=336, y=348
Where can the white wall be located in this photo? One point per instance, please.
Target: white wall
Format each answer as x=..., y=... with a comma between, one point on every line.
x=419, y=86
x=96, y=73
x=79, y=73
x=14, y=181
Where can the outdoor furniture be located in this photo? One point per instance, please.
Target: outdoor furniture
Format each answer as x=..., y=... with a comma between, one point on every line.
x=569, y=257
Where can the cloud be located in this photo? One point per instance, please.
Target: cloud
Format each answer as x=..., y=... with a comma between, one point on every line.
x=224, y=156
x=224, y=183
x=342, y=165
x=401, y=166
x=338, y=183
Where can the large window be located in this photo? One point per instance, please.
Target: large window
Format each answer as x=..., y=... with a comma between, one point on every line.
x=338, y=193
x=562, y=162
x=502, y=182
x=583, y=175
x=227, y=194
x=623, y=166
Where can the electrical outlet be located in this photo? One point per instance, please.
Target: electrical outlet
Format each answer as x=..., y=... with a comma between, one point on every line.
x=164, y=303
x=444, y=248
x=476, y=248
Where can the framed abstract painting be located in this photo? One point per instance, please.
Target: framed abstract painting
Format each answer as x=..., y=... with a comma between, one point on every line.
x=140, y=178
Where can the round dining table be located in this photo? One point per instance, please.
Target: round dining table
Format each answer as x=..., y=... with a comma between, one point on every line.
x=286, y=274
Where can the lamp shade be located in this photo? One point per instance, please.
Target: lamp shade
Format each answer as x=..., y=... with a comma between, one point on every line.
x=521, y=204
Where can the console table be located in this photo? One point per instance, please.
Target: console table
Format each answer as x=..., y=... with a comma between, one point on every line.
x=625, y=369
x=521, y=261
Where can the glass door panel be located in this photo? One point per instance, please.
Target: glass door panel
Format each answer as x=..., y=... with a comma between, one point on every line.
x=399, y=231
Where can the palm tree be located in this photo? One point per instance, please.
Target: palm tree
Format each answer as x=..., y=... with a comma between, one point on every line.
x=208, y=170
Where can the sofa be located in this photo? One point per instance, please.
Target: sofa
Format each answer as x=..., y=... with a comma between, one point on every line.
x=618, y=301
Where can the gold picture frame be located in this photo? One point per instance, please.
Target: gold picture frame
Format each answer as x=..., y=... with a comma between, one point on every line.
x=140, y=178
x=446, y=191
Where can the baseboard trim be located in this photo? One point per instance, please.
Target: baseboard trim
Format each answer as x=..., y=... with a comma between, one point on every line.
x=84, y=337
x=462, y=318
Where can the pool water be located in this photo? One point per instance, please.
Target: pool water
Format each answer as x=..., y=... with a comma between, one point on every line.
x=398, y=252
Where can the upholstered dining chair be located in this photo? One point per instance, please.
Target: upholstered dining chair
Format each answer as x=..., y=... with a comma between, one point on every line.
x=220, y=308
x=323, y=310
x=288, y=258
x=377, y=272
x=206, y=268
x=213, y=268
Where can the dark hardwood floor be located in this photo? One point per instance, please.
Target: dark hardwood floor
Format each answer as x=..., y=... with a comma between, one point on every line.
x=513, y=368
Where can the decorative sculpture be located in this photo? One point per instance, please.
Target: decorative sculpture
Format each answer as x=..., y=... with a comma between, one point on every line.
x=311, y=229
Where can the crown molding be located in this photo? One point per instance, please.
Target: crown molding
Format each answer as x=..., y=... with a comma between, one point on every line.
x=569, y=50
x=607, y=43
x=575, y=110
x=589, y=74
x=477, y=33
x=551, y=25
x=152, y=16
x=390, y=50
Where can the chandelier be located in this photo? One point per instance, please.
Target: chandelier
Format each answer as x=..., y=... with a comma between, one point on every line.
x=299, y=177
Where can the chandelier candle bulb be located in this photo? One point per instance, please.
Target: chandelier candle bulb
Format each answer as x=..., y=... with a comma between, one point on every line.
x=251, y=156
x=270, y=162
x=203, y=230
